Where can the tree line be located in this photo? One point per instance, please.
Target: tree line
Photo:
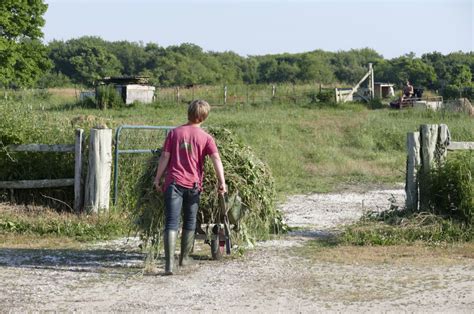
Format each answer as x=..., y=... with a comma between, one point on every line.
x=27, y=62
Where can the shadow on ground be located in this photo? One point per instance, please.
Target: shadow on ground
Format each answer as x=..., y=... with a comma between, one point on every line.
x=92, y=260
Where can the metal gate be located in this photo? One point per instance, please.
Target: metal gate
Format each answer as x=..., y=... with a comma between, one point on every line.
x=118, y=151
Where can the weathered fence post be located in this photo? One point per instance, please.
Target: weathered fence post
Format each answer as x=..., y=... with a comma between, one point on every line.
x=78, y=195
x=443, y=142
x=428, y=137
x=273, y=91
x=413, y=163
x=225, y=94
x=97, y=190
x=247, y=95
x=177, y=94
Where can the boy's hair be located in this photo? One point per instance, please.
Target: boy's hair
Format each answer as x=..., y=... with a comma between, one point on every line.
x=198, y=111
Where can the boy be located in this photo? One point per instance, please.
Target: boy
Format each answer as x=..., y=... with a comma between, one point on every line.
x=183, y=158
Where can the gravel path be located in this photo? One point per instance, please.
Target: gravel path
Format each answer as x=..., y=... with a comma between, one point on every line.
x=108, y=277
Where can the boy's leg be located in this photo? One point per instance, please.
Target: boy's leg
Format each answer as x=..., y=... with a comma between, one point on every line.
x=190, y=209
x=173, y=203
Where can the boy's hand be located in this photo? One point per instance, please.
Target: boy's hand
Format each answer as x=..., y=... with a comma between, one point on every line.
x=158, y=186
x=222, y=188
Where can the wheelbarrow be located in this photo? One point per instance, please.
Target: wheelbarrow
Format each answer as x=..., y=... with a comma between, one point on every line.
x=218, y=234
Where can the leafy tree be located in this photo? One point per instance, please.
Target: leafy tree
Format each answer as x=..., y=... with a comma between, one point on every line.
x=267, y=70
x=314, y=69
x=132, y=56
x=461, y=75
x=22, y=55
x=250, y=71
x=398, y=70
x=229, y=65
x=84, y=60
x=350, y=66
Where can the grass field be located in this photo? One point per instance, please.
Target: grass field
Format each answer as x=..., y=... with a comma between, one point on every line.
x=309, y=147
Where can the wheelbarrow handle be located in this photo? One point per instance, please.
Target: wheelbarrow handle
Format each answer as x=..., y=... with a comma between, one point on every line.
x=223, y=203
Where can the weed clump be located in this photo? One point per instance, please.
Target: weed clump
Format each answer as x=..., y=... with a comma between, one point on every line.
x=107, y=97
x=447, y=218
x=451, y=189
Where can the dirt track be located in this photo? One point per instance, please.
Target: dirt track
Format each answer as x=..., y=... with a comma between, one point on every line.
x=277, y=276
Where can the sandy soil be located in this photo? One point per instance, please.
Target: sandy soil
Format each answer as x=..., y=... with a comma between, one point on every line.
x=273, y=277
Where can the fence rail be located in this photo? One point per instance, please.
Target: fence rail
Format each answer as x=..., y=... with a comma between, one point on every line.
x=36, y=184
x=44, y=148
x=461, y=146
x=75, y=148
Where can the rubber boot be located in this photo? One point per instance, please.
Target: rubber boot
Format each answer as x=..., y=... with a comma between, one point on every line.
x=169, y=239
x=187, y=243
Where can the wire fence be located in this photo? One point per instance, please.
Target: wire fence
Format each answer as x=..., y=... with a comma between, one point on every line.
x=243, y=94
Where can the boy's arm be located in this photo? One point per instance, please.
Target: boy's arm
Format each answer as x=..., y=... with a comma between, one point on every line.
x=162, y=164
x=217, y=163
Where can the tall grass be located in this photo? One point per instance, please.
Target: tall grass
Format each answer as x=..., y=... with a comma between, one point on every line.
x=309, y=148
x=451, y=188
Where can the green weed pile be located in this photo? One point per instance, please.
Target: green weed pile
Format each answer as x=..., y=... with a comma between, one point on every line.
x=245, y=175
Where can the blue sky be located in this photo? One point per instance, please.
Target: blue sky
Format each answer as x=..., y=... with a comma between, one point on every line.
x=392, y=28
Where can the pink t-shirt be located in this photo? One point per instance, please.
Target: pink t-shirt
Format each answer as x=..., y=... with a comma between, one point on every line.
x=188, y=146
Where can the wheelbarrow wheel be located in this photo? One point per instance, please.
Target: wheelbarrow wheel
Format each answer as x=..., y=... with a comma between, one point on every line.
x=216, y=250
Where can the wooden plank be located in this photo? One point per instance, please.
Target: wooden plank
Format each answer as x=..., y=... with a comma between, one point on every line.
x=357, y=86
x=58, y=148
x=78, y=199
x=461, y=146
x=36, y=184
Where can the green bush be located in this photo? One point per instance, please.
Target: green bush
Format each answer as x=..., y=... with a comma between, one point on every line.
x=107, y=97
x=451, y=188
x=49, y=80
x=395, y=226
x=326, y=96
x=451, y=92
x=375, y=103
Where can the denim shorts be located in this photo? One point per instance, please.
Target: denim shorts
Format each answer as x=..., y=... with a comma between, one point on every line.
x=177, y=197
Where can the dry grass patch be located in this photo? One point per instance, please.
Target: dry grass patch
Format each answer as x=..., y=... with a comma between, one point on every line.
x=417, y=254
x=31, y=241
x=71, y=93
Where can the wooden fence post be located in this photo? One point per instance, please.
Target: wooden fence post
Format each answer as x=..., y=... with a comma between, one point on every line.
x=78, y=195
x=429, y=137
x=97, y=189
x=225, y=94
x=247, y=94
x=413, y=163
x=442, y=145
